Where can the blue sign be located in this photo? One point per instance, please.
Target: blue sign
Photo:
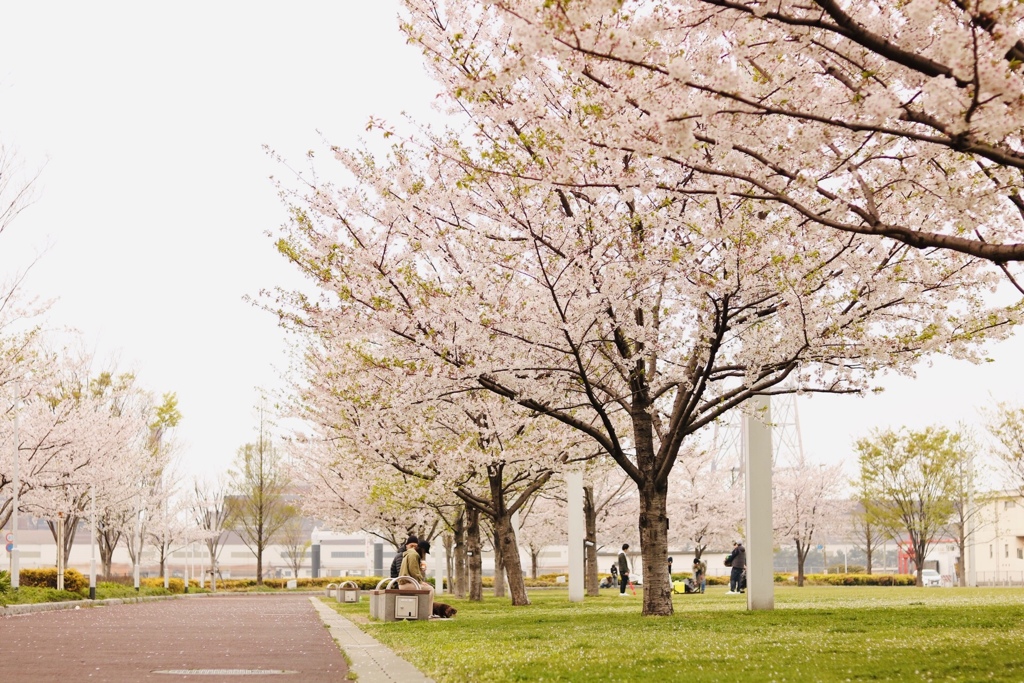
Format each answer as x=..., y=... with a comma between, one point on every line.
x=10, y=547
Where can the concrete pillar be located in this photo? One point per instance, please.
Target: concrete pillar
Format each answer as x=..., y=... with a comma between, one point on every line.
x=757, y=482
x=378, y=559
x=577, y=534
x=440, y=562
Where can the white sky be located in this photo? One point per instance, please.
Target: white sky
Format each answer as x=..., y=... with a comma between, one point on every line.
x=155, y=199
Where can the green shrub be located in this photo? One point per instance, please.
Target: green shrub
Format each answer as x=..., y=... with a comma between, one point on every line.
x=174, y=585
x=5, y=582
x=63, y=596
x=860, y=579
x=46, y=577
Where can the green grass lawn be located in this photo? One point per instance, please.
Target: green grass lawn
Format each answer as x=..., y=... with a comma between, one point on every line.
x=32, y=594
x=814, y=634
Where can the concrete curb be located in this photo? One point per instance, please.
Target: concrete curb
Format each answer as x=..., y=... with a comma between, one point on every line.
x=12, y=610
x=29, y=608
x=371, y=661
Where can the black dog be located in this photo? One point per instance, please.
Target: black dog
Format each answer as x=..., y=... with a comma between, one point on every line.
x=443, y=611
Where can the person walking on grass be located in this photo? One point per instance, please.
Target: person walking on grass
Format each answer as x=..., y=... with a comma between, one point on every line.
x=623, y=570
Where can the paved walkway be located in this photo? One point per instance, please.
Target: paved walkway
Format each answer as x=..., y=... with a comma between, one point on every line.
x=371, y=661
x=263, y=638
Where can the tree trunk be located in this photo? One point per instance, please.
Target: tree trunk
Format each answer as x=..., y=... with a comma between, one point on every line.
x=107, y=541
x=506, y=534
x=654, y=548
x=919, y=552
x=448, y=541
x=801, y=558
x=460, y=566
x=534, y=559
x=590, y=543
x=499, y=566
x=869, y=552
x=961, y=544
x=70, y=528
x=474, y=560
x=259, y=567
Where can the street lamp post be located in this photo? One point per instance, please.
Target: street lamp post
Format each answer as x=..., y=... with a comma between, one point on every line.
x=60, y=550
x=92, y=543
x=212, y=511
x=138, y=543
x=15, y=551
x=164, y=550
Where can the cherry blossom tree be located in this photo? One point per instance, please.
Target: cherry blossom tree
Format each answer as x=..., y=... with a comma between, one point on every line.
x=210, y=513
x=486, y=451
x=168, y=521
x=641, y=341
x=73, y=444
x=900, y=120
x=506, y=256
x=21, y=349
x=807, y=505
x=541, y=524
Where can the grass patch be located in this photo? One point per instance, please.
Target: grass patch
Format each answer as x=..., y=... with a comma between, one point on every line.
x=814, y=634
x=27, y=595
x=104, y=591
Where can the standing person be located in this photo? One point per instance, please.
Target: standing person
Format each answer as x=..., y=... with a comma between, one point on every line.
x=615, y=573
x=700, y=572
x=670, y=571
x=623, y=570
x=737, y=559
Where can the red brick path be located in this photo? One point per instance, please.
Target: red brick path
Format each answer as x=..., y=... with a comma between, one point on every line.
x=128, y=643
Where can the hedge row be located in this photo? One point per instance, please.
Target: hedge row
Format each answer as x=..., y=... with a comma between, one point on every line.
x=860, y=579
x=74, y=581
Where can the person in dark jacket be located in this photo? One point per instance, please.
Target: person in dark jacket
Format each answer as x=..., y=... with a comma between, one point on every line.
x=396, y=564
x=623, y=570
x=737, y=559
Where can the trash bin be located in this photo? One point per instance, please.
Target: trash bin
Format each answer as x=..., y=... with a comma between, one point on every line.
x=331, y=587
x=405, y=603
x=347, y=592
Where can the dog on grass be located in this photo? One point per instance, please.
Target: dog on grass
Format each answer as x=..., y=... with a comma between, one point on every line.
x=443, y=611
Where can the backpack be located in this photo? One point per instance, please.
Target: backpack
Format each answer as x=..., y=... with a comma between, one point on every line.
x=729, y=558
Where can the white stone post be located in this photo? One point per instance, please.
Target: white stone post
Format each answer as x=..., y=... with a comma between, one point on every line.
x=440, y=563
x=577, y=533
x=757, y=482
